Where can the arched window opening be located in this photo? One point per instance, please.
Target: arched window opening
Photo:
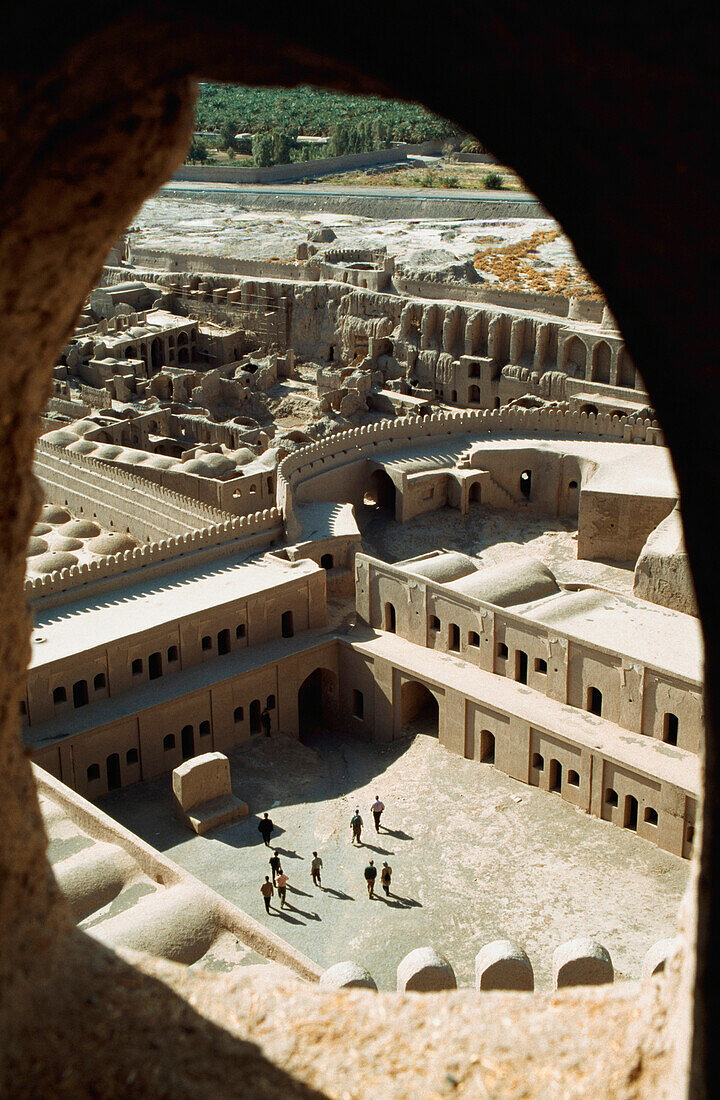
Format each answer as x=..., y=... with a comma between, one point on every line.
x=454, y=637
x=132, y=757
x=474, y=394
x=555, y=783
x=670, y=729
x=172, y=654
x=168, y=741
x=475, y=493
x=573, y=778
x=59, y=695
x=487, y=747
x=538, y=762
x=521, y=666
x=136, y=667
x=502, y=651
x=93, y=773
x=206, y=643
x=390, y=620
x=270, y=702
x=154, y=666
x=99, y=682
x=541, y=666
x=240, y=630
x=286, y=627
x=204, y=729
x=223, y=642
x=473, y=638
x=434, y=622
x=526, y=483
x=80, y=694
x=238, y=714
x=650, y=816
x=358, y=703
x=326, y=561
x=611, y=797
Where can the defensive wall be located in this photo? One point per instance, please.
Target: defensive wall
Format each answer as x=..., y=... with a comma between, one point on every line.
x=372, y=440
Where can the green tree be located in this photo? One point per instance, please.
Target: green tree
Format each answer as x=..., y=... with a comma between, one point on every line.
x=339, y=140
x=198, y=151
x=282, y=144
x=262, y=149
x=227, y=136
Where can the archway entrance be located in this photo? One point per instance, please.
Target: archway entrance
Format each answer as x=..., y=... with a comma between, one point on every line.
x=316, y=703
x=156, y=356
x=419, y=709
x=112, y=767
x=188, y=742
x=380, y=491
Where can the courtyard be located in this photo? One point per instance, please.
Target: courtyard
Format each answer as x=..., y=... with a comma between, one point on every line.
x=476, y=856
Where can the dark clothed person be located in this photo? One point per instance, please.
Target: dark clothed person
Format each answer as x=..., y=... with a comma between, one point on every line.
x=265, y=828
x=370, y=876
x=274, y=862
x=267, y=892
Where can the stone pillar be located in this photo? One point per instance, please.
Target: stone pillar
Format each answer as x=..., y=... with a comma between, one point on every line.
x=582, y=961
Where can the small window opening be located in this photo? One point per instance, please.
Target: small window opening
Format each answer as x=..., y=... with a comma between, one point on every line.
x=132, y=756
x=172, y=654
x=326, y=561
x=521, y=666
x=556, y=776
x=502, y=651
x=611, y=797
x=270, y=702
x=240, y=630
x=573, y=485
x=434, y=622
x=538, y=761
x=286, y=628
x=204, y=729
x=473, y=638
x=573, y=778
x=238, y=714
x=650, y=815
x=390, y=620
x=631, y=813
x=454, y=637
x=358, y=704
x=60, y=696
x=206, y=642
x=93, y=772
x=169, y=741
x=99, y=681
x=136, y=667
x=541, y=666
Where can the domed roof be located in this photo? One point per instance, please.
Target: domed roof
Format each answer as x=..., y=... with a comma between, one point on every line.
x=111, y=542
x=82, y=447
x=53, y=513
x=160, y=462
x=61, y=437
x=79, y=529
x=219, y=464
x=57, y=541
x=131, y=457
x=196, y=466
x=41, y=529
x=36, y=546
x=81, y=427
x=242, y=456
x=107, y=450
x=52, y=561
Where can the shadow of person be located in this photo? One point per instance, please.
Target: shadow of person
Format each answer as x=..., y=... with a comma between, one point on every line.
x=289, y=852
x=401, y=902
x=337, y=893
x=302, y=912
x=380, y=851
x=397, y=833
x=275, y=911
x=296, y=890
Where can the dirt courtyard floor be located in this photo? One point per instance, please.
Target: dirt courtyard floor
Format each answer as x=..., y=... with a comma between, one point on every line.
x=476, y=856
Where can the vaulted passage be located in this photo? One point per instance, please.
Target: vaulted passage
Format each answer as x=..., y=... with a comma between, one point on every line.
x=316, y=703
x=380, y=492
x=419, y=709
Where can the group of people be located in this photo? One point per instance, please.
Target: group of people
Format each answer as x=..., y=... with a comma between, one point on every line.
x=278, y=880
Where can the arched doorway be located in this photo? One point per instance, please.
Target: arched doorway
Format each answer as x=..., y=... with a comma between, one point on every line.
x=188, y=742
x=112, y=768
x=602, y=357
x=419, y=709
x=576, y=357
x=475, y=493
x=380, y=491
x=156, y=356
x=317, y=697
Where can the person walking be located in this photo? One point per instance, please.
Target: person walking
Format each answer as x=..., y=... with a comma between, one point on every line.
x=386, y=877
x=370, y=876
x=267, y=892
x=266, y=721
x=377, y=809
x=274, y=862
x=356, y=824
x=265, y=828
x=282, y=881
x=316, y=868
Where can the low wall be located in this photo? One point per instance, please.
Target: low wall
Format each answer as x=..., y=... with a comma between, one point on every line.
x=222, y=265
x=555, y=304
x=296, y=170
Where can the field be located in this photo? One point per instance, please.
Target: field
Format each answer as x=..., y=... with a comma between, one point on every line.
x=443, y=174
